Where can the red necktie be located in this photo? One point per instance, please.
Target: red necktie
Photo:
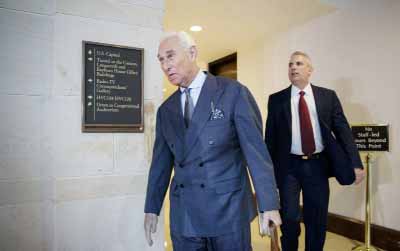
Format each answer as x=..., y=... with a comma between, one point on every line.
x=306, y=130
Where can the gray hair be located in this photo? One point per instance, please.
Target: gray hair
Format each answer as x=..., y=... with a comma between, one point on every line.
x=185, y=40
x=301, y=53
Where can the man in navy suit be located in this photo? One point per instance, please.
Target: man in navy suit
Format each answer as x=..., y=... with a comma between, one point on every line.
x=210, y=133
x=309, y=140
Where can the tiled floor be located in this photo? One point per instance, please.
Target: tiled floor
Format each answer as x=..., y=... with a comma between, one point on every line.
x=333, y=242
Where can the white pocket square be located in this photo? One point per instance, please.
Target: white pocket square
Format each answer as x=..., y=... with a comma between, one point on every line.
x=216, y=113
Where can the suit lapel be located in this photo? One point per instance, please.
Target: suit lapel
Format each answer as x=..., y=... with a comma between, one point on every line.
x=319, y=105
x=317, y=98
x=202, y=112
x=176, y=117
x=287, y=109
x=318, y=101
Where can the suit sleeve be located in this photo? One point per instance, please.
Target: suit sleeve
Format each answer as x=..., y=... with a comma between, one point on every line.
x=343, y=134
x=160, y=171
x=249, y=129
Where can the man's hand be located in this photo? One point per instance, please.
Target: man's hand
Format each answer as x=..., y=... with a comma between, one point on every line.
x=150, y=226
x=265, y=218
x=360, y=174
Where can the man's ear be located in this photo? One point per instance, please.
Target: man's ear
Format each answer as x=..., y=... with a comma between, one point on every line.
x=310, y=69
x=193, y=53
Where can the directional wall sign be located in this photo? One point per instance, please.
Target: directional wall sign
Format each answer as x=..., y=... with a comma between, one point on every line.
x=112, y=88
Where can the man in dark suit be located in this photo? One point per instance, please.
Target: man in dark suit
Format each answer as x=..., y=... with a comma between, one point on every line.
x=208, y=132
x=309, y=140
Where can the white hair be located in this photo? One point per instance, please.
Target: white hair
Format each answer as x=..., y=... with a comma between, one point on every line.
x=184, y=38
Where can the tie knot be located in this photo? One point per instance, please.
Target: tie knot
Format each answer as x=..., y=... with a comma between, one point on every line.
x=187, y=91
x=302, y=93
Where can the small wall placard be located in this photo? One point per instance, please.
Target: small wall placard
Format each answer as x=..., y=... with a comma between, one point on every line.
x=112, y=88
x=371, y=138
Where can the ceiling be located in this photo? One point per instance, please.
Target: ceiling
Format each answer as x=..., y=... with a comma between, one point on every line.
x=231, y=24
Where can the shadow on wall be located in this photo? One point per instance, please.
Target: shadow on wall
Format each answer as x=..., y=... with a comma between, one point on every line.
x=381, y=173
x=355, y=113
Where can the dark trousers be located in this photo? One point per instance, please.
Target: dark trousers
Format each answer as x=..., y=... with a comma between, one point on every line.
x=310, y=177
x=236, y=241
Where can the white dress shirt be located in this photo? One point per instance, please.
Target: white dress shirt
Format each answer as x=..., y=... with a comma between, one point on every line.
x=195, y=89
x=296, y=136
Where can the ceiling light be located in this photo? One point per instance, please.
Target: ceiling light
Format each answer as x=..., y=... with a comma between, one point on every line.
x=196, y=28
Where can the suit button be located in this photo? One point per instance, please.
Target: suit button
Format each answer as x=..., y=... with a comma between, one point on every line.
x=201, y=164
x=180, y=165
x=202, y=185
x=182, y=186
x=172, y=145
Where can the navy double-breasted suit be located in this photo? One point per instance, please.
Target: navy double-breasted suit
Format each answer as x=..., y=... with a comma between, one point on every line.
x=210, y=193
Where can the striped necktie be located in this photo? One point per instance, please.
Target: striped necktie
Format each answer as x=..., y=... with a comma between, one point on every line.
x=189, y=107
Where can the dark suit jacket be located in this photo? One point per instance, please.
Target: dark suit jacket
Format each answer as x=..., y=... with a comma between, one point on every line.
x=335, y=132
x=210, y=193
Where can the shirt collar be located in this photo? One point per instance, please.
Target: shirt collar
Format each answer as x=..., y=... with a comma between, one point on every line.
x=296, y=90
x=197, y=82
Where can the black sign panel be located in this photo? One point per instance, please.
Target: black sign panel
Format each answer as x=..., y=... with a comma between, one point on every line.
x=371, y=137
x=112, y=88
